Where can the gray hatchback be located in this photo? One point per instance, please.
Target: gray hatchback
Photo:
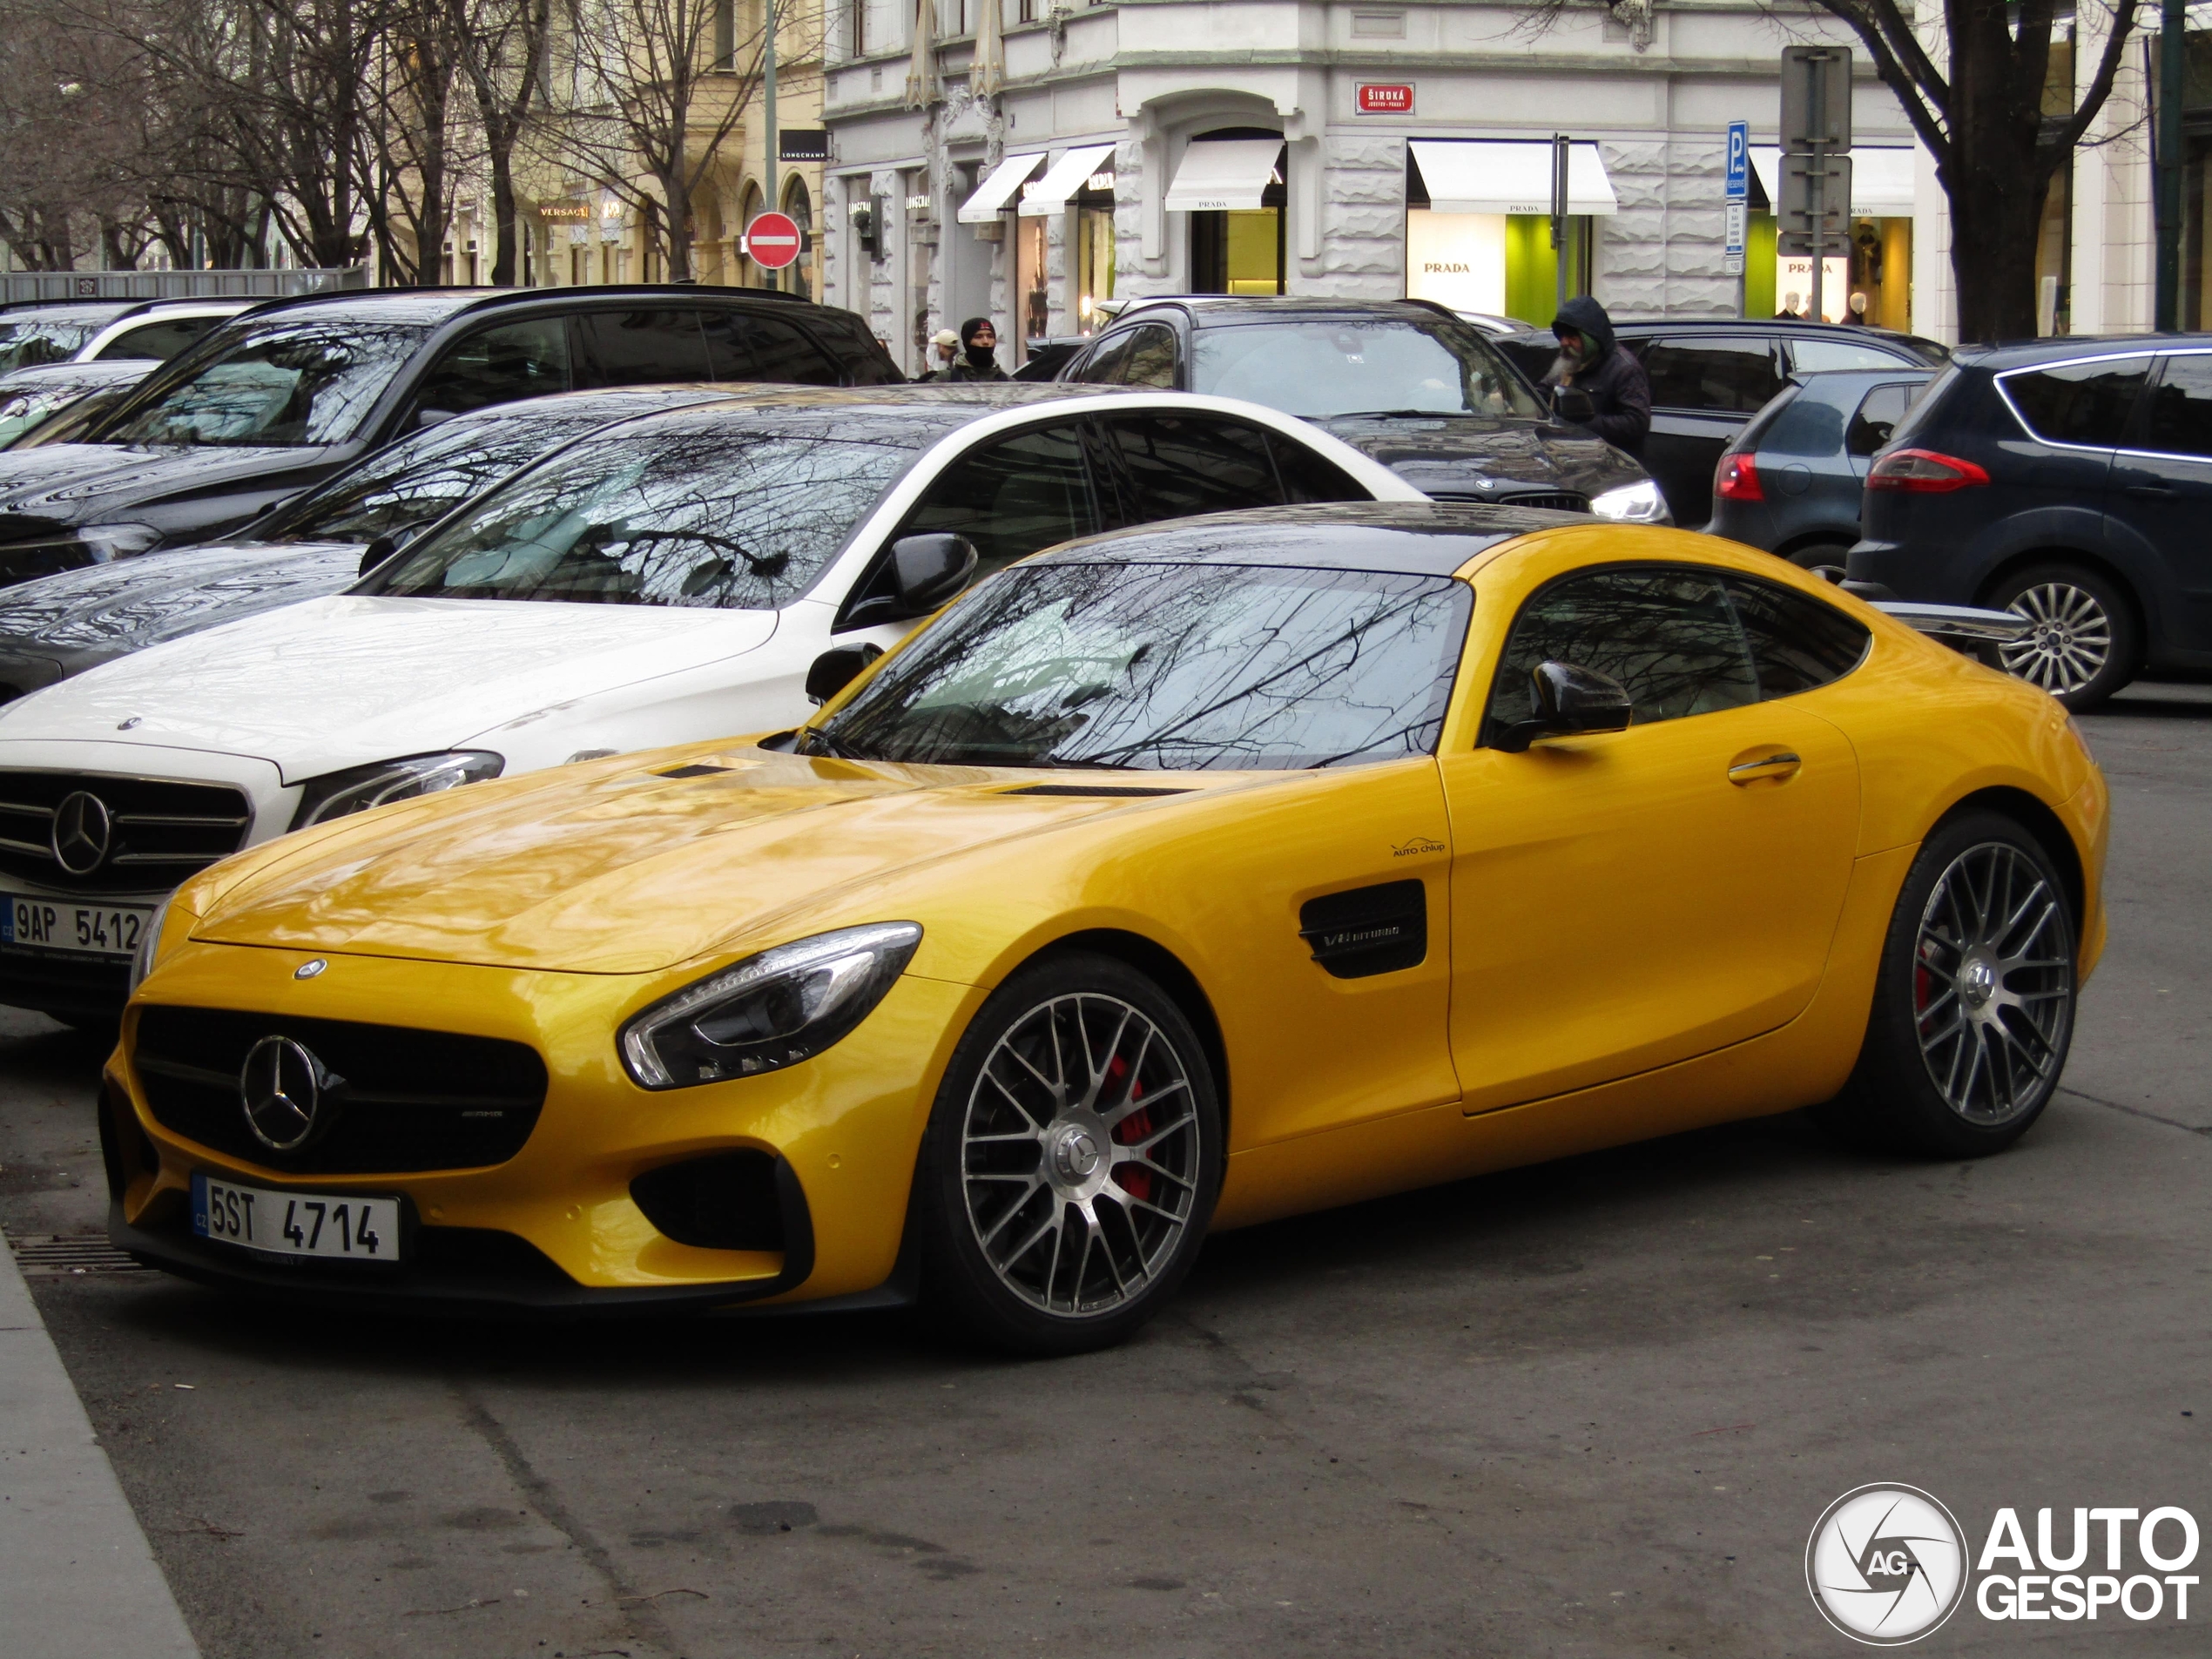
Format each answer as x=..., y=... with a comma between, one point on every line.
x=1791, y=481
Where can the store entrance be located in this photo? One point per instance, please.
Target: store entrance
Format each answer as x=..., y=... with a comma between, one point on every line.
x=1240, y=251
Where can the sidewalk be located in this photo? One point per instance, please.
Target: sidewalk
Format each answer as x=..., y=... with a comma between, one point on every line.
x=77, y=1578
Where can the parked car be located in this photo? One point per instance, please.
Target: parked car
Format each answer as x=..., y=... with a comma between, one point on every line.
x=2068, y=481
x=675, y=576
x=1790, y=481
x=1400, y=380
x=284, y=395
x=31, y=334
x=54, y=626
x=1174, y=880
x=30, y=398
x=1710, y=378
x=159, y=329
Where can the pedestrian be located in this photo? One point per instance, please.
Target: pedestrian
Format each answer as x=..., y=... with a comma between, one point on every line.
x=946, y=344
x=1593, y=362
x=978, y=360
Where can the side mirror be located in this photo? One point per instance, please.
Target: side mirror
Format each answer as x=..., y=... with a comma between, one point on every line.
x=1566, y=701
x=1572, y=404
x=432, y=417
x=925, y=571
x=837, y=668
x=375, y=553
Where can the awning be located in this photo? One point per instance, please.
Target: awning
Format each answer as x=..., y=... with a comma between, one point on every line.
x=1881, y=180
x=1222, y=174
x=1509, y=176
x=993, y=194
x=1063, y=179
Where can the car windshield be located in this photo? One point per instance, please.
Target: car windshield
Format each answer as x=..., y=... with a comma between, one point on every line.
x=1360, y=366
x=404, y=486
x=29, y=343
x=1177, y=667
x=279, y=384
x=689, y=510
x=23, y=407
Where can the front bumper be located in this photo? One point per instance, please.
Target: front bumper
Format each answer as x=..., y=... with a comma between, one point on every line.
x=556, y=1228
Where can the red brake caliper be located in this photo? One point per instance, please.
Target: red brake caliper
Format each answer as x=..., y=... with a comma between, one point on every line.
x=1133, y=1179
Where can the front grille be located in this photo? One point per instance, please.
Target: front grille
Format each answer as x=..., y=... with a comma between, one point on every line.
x=396, y=1100
x=159, y=831
x=1557, y=500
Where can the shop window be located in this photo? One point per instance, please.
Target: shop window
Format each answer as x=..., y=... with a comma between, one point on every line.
x=1241, y=251
x=1497, y=264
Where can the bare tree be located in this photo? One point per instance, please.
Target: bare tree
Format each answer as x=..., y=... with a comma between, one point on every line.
x=501, y=46
x=409, y=149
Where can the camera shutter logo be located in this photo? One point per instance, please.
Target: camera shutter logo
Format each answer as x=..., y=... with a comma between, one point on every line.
x=1886, y=1565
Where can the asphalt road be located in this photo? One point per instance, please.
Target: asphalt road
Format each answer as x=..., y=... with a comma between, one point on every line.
x=1589, y=1408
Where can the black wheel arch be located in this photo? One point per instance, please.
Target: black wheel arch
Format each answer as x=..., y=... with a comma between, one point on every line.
x=1167, y=970
x=2131, y=592
x=2047, y=828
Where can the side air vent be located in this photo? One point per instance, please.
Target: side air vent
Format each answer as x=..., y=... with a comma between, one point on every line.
x=1369, y=930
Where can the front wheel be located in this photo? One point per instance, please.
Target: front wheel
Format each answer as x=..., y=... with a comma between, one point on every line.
x=1071, y=1160
x=1973, y=1011
x=2082, y=644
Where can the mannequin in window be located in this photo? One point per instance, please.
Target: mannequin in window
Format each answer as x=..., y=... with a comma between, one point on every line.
x=1857, y=313
x=1791, y=310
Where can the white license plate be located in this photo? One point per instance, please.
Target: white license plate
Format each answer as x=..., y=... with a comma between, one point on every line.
x=338, y=1226
x=78, y=929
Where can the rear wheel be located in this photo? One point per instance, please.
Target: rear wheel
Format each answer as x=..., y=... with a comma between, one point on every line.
x=1823, y=559
x=2083, y=643
x=1973, y=1012
x=1071, y=1160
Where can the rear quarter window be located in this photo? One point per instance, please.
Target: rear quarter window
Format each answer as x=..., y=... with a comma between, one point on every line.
x=2077, y=403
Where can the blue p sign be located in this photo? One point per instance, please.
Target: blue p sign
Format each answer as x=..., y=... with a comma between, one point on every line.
x=1739, y=160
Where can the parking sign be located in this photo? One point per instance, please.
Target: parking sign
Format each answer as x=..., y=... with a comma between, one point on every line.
x=1739, y=160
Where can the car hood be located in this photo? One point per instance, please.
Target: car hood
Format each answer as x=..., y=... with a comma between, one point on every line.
x=63, y=485
x=105, y=610
x=349, y=679
x=1486, y=457
x=613, y=867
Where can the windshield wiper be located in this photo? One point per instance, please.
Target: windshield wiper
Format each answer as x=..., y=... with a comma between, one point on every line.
x=1402, y=414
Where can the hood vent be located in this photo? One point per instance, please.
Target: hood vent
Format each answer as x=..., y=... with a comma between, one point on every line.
x=1101, y=790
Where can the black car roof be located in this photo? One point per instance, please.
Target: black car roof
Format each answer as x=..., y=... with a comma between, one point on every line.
x=2021, y=353
x=1214, y=309
x=435, y=305
x=1398, y=539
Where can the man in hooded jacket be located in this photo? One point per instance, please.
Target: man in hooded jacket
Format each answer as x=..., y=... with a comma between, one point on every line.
x=978, y=355
x=1592, y=361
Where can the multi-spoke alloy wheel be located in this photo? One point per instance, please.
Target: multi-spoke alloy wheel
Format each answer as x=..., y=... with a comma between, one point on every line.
x=1073, y=1159
x=1973, y=1005
x=1993, y=985
x=1080, y=1154
x=2069, y=641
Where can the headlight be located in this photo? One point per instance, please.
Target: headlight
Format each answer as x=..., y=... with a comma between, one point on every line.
x=769, y=1011
x=357, y=791
x=148, y=954
x=1638, y=504
x=110, y=542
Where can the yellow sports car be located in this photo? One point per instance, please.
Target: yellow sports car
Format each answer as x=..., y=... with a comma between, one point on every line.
x=1175, y=878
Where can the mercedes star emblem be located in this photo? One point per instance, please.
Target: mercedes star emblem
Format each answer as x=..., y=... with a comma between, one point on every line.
x=281, y=1087
x=308, y=970
x=82, y=832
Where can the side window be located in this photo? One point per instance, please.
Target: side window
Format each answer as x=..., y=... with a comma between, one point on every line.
x=1878, y=412
x=1104, y=366
x=158, y=342
x=498, y=366
x=652, y=347
x=1816, y=356
x=745, y=347
x=1717, y=376
x=2181, y=409
x=1669, y=636
x=2083, y=404
x=1309, y=477
x=1012, y=497
x=1178, y=465
x=1150, y=360
x=1797, y=643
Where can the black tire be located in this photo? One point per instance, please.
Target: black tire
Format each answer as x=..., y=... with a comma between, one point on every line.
x=1959, y=1062
x=1823, y=559
x=1009, y=1158
x=2087, y=643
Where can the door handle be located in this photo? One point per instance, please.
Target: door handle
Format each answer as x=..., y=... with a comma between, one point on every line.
x=1778, y=765
x=2149, y=492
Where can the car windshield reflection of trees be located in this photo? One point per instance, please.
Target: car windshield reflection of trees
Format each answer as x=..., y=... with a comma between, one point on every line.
x=1323, y=369
x=297, y=383
x=704, y=512
x=1174, y=667
x=414, y=481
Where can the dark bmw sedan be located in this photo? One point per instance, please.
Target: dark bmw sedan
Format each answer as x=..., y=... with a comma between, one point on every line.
x=54, y=626
x=1402, y=381
x=2069, y=481
x=293, y=391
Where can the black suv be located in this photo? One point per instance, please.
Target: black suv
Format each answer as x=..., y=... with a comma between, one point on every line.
x=1403, y=380
x=289, y=393
x=1710, y=378
x=2069, y=481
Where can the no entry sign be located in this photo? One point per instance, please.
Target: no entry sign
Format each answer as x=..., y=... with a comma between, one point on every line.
x=771, y=241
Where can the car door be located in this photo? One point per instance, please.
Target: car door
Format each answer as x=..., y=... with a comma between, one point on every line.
x=1625, y=901
x=2160, y=497
x=1177, y=463
x=643, y=346
x=1704, y=388
x=743, y=347
x=527, y=358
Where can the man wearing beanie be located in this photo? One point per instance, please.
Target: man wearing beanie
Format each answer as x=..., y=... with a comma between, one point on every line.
x=979, y=353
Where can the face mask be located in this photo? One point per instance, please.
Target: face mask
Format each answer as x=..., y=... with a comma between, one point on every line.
x=982, y=356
